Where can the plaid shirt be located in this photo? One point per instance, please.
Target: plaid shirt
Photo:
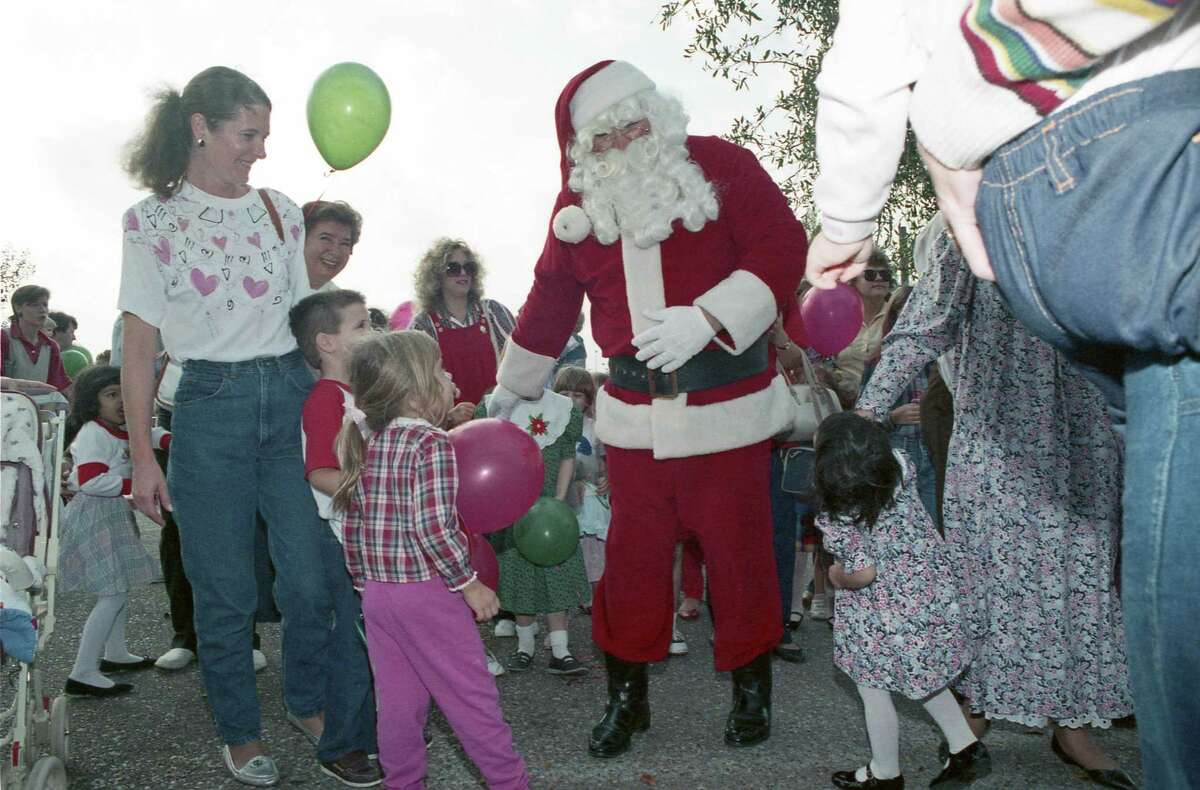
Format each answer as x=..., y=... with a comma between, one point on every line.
x=402, y=525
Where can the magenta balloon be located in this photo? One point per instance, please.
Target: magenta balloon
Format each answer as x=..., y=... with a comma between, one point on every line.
x=500, y=473
x=832, y=319
x=483, y=560
x=401, y=316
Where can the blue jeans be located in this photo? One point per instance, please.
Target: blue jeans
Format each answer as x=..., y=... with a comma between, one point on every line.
x=235, y=453
x=786, y=511
x=349, y=689
x=914, y=448
x=1091, y=222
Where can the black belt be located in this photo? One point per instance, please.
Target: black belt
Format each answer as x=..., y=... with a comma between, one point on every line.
x=712, y=368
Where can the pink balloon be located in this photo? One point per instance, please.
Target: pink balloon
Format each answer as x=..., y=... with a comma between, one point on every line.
x=832, y=319
x=401, y=316
x=500, y=473
x=483, y=560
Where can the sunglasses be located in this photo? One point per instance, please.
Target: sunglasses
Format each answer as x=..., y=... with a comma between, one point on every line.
x=882, y=275
x=454, y=268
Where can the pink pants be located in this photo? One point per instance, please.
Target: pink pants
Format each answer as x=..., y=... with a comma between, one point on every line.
x=423, y=644
x=722, y=499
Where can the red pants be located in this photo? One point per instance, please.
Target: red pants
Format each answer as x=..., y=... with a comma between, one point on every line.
x=722, y=499
x=692, y=570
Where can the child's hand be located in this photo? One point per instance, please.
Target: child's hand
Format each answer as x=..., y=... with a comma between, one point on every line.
x=482, y=600
x=602, y=486
x=459, y=414
x=837, y=575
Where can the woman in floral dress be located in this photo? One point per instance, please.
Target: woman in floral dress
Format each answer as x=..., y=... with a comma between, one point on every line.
x=1031, y=508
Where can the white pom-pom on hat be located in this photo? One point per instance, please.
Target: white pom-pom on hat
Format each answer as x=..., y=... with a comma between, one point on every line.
x=571, y=224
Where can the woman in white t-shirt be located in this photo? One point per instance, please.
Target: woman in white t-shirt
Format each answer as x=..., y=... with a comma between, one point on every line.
x=215, y=265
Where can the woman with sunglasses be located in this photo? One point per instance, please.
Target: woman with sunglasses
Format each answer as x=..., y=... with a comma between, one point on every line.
x=470, y=329
x=874, y=286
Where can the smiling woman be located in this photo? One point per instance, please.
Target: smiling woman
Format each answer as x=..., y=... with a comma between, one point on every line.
x=214, y=265
x=331, y=229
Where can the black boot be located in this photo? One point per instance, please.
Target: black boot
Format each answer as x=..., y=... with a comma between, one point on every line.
x=750, y=720
x=627, y=711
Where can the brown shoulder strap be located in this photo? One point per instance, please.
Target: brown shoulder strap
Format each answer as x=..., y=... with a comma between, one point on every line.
x=262, y=193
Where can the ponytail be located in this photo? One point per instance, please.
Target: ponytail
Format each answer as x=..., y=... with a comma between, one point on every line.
x=158, y=158
x=351, y=453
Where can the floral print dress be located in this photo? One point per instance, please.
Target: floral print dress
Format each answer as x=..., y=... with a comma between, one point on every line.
x=1031, y=506
x=904, y=631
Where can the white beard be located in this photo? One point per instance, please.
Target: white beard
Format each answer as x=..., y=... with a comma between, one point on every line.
x=641, y=191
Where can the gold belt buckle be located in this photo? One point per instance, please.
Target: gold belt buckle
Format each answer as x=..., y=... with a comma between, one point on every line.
x=674, y=378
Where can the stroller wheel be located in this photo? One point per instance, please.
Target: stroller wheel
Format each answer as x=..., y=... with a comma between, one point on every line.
x=48, y=774
x=60, y=729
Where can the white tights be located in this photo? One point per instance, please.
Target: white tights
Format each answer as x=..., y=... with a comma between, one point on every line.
x=883, y=729
x=103, y=635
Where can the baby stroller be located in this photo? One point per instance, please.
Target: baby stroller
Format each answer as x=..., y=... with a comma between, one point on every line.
x=33, y=731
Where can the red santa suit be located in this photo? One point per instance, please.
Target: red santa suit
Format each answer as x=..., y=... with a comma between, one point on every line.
x=697, y=462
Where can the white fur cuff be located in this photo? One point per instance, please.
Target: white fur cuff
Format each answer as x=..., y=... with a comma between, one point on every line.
x=744, y=305
x=523, y=371
x=571, y=225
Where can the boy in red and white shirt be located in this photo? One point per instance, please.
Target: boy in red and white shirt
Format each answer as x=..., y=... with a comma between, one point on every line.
x=326, y=325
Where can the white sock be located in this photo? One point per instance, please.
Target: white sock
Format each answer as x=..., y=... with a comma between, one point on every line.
x=801, y=574
x=946, y=713
x=91, y=642
x=115, y=648
x=527, y=638
x=558, y=644
x=883, y=731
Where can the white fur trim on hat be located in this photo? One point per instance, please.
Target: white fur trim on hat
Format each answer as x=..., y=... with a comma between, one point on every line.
x=571, y=224
x=616, y=81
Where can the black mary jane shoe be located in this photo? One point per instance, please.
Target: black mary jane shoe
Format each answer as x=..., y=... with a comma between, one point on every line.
x=848, y=781
x=107, y=666
x=964, y=767
x=749, y=721
x=627, y=711
x=1105, y=777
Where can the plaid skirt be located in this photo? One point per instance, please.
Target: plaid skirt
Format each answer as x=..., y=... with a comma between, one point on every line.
x=100, y=550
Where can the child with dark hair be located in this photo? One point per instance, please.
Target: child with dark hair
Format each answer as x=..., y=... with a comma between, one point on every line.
x=897, y=627
x=100, y=551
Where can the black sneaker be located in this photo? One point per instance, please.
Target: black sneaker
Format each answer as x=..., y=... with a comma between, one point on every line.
x=354, y=769
x=567, y=665
x=788, y=650
x=518, y=662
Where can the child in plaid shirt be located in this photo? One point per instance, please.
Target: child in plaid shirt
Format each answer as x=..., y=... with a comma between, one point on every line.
x=407, y=553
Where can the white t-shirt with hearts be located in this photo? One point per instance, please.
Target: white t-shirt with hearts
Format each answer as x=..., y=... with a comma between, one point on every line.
x=212, y=274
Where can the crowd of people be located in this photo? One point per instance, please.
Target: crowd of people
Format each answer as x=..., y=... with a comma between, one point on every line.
x=957, y=512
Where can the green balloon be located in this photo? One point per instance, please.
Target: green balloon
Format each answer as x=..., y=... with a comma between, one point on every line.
x=74, y=361
x=81, y=350
x=548, y=533
x=348, y=114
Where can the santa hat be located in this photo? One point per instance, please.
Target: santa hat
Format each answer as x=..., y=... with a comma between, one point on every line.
x=586, y=95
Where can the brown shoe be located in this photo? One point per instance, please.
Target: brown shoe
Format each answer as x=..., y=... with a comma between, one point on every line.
x=354, y=769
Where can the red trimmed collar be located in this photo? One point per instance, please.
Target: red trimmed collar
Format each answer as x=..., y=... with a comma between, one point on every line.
x=117, y=432
x=42, y=339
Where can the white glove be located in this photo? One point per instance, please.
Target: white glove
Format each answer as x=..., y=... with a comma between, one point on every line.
x=501, y=402
x=682, y=332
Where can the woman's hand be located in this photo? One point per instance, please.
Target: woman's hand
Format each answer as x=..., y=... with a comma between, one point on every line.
x=482, y=600
x=458, y=415
x=150, y=491
x=830, y=262
x=908, y=414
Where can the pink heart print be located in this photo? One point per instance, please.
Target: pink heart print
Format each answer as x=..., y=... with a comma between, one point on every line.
x=183, y=224
x=131, y=220
x=163, y=250
x=295, y=233
x=205, y=285
x=255, y=239
x=219, y=241
x=255, y=288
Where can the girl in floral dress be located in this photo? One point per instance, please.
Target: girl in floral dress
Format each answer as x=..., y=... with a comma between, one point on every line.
x=898, y=627
x=1031, y=509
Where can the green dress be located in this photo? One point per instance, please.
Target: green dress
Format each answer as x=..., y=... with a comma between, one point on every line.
x=526, y=588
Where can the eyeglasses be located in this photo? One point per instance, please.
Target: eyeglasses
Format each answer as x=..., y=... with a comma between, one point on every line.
x=882, y=275
x=454, y=268
x=628, y=133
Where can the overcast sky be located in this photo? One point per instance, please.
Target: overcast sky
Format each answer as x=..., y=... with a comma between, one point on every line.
x=471, y=150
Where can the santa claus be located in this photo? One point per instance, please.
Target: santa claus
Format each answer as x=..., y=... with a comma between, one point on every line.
x=686, y=249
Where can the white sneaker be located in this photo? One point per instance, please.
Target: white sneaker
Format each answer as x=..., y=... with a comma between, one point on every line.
x=504, y=629
x=175, y=658
x=822, y=607
x=494, y=665
x=679, y=645
x=260, y=661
